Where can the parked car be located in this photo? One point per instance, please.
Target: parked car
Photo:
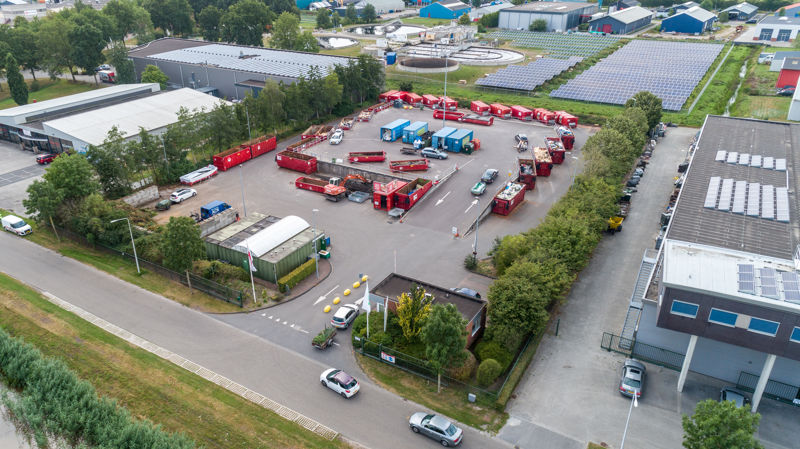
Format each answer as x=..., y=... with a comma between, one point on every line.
x=489, y=175
x=737, y=397
x=521, y=138
x=479, y=188
x=182, y=194
x=344, y=317
x=433, y=152
x=632, y=380
x=102, y=67
x=336, y=137
x=44, y=159
x=786, y=91
x=12, y=223
x=163, y=205
x=340, y=382
x=466, y=291
x=437, y=427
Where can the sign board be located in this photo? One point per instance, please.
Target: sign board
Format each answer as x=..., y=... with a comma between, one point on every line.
x=387, y=357
x=455, y=230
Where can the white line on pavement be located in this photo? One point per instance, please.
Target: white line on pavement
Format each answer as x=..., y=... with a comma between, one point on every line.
x=442, y=199
x=303, y=331
x=337, y=344
x=284, y=323
x=322, y=298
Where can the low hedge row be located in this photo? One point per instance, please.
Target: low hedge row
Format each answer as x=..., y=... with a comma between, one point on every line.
x=295, y=276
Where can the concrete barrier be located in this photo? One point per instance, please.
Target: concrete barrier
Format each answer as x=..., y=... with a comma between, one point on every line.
x=143, y=196
x=217, y=222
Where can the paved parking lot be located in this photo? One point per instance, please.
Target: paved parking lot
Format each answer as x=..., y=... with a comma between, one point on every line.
x=18, y=170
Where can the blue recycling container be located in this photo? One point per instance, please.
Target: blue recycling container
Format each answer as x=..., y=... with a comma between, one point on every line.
x=391, y=58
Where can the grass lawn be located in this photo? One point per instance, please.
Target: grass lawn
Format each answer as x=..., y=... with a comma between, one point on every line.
x=757, y=97
x=352, y=52
x=451, y=402
x=594, y=446
x=150, y=387
x=49, y=89
x=424, y=21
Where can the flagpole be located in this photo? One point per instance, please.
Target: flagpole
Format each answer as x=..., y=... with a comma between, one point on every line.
x=385, y=311
x=250, y=269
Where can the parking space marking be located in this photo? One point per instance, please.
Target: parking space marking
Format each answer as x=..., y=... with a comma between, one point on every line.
x=20, y=174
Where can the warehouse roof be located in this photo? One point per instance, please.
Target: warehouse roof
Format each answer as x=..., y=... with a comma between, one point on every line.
x=687, y=5
x=697, y=13
x=273, y=236
x=151, y=113
x=744, y=7
x=267, y=61
x=453, y=5
x=630, y=15
x=735, y=151
x=396, y=284
x=550, y=7
x=773, y=20
x=235, y=234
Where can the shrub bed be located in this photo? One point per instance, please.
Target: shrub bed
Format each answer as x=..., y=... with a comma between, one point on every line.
x=295, y=276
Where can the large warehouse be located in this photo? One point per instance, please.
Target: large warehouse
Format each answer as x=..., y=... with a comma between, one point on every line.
x=560, y=16
x=777, y=29
x=79, y=120
x=694, y=20
x=233, y=70
x=743, y=11
x=725, y=294
x=625, y=21
x=445, y=9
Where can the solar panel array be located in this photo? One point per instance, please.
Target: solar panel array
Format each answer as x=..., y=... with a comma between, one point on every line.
x=755, y=160
x=530, y=76
x=258, y=60
x=751, y=199
x=669, y=70
x=559, y=45
x=769, y=283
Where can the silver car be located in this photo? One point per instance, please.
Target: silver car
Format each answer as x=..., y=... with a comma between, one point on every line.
x=433, y=153
x=437, y=427
x=345, y=316
x=632, y=379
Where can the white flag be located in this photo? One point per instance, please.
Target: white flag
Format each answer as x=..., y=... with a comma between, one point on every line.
x=250, y=259
x=365, y=300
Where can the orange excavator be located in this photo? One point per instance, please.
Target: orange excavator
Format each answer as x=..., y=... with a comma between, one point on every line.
x=354, y=183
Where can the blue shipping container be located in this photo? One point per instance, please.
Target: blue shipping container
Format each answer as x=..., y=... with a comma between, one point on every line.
x=438, y=138
x=391, y=57
x=413, y=130
x=394, y=130
x=455, y=142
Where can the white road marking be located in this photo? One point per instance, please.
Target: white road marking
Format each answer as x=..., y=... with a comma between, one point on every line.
x=277, y=319
x=337, y=344
x=284, y=323
x=474, y=202
x=442, y=199
x=263, y=314
x=303, y=331
x=322, y=298
x=270, y=317
x=291, y=325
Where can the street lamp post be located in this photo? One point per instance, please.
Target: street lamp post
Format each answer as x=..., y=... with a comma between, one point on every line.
x=477, y=225
x=634, y=403
x=444, y=101
x=314, y=225
x=135, y=257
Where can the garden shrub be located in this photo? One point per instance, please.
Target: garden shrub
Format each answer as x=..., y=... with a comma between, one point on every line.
x=486, y=350
x=295, y=276
x=464, y=372
x=488, y=371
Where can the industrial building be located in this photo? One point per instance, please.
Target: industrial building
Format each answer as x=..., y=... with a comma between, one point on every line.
x=777, y=29
x=233, y=70
x=695, y=20
x=722, y=296
x=445, y=9
x=790, y=72
x=792, y=10
x=625, y=21
x=777, y=59
x=11, y=9
x=278, y=245
x=743, y=11
x=794, y=107
x=76, y=121
x=381, y=6
x=560, y=16
x=684, y=6
x=622, y=4
x=473, y=310
x=488, y=8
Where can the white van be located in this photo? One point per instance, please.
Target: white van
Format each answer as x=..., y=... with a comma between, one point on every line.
x=16, y=225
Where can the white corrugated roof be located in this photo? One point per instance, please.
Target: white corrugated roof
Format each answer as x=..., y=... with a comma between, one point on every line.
x=632, y=14
x=273, y=236
x=744, y=7
x=150, y=113
x=698, y=13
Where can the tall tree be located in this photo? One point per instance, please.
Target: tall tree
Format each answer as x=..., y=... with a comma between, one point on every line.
x=91, y=16
x=350, y=13
x=282, y=6
x=615, y=147
x=127, y=18
x=24, y=45
x=368, y=14
x=182, y=244
x=173, y=16
x=413, y=309
x=630, y=130
x=53, y=42
x=650, y=104
x=209, y=20
x=153, y=74
x=199, y=5
x=221, y=127
x=323, y=18
x=73, y=176
x=108, y=160
x=720, y=425
x=445, y=336
x=464, y=19
x=245, y=23
x=43, y=202
x=306, y=42
x=268, y=108
x=517, y=306
x=87, y=44
x=285, y=31
x=16, y=84
x=123, y=66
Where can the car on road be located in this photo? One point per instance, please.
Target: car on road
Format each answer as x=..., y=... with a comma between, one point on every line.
x=437, y=427
x=489, y=175
x=182, y=194
x=336, y=137
x=340, y=382
x=344, y=317
x=12, y=223
x=632, y=380
x=737, y=397
x=466, y=291
x=433, y=152
x=102, y=67
x=44, y=159
x=479, y=188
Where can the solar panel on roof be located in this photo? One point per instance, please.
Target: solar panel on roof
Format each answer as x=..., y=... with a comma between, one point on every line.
x=768, y=162
x=780, y=164
x=721, y=155
x=753, y=199
x=755, y=161
x=791, y=286
x=711, y=193
x=782, y=204
x=744, y=159
x=733, y=157
x=768, y=202
x=725, y=194
x=738, y=197
x=746, y=279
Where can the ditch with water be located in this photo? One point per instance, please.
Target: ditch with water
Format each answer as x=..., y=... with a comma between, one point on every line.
x=742, y=75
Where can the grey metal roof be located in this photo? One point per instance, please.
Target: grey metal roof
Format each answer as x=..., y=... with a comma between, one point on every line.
x=698, y=13
x=772, y=20
x=550, y=7
x=744, y=7
x=454, y=5
x=290, y=64
x=791, y=64
x=694, y=223
x=630, y=15
x=395, y=284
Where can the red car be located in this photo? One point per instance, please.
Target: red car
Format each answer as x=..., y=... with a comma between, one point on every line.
x=44, y=159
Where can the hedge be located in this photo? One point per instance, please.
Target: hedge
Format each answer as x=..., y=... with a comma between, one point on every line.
x=295, y=276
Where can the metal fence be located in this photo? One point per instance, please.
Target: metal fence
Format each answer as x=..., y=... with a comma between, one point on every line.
x=642, y=351
x=778, y=391
x=191, y=280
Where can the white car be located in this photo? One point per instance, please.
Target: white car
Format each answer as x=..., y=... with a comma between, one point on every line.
x=344, y=316
x=182, y=194
x=336, y=137
x=340, y=382
x=14, y=224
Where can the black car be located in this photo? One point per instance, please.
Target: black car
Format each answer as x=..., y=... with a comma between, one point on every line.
x=466, y=291
x=786, y=91
x=489, y=176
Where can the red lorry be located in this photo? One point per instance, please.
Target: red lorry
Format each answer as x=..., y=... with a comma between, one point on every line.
x=499, y=110
x=408, y=195
x=544, y=162
x=556, y=149
x=527, y=173
x=567, y=137
x=449, y=115
x=331, y=192
x=545, y=116
x=296, y=161
x=509, y=198
x=521, y=112
x=566, y=119
x=409, y=165
x=366, y=156
x=479, y=107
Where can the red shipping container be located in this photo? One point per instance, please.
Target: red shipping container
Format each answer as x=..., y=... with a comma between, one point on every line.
x=231, y=158
x=556, y=149
x=383, y=194
x=367, y=156
x=509, y=198
x=566, y=119
x=409, y=165
x=544, y=115
x=296, y=161
x=385, y=96
x=412, y=98
x=399, y=95
x=544, y=162
x=498, y=110
x=430, y=100
x=408, y=195
x=479, y=107
x=527, y=173
x=312, y=184
x=521, y=112
x=261, y=145
x=567, y=137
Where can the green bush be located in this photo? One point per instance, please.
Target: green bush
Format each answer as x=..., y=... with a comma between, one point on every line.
x=295, y=276
x=486, y=350
x=470, y=262
x=488, y=371
x=464, y=372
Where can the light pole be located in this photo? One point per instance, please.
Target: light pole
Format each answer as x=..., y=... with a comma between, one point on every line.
x=314, y=226
x=444, y=101
x=634, y=403
x=164, y=147
x=477, y=224
x=135, y=257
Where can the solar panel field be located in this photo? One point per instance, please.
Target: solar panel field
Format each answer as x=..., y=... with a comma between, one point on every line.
x=530, y=76
x=559, y=45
